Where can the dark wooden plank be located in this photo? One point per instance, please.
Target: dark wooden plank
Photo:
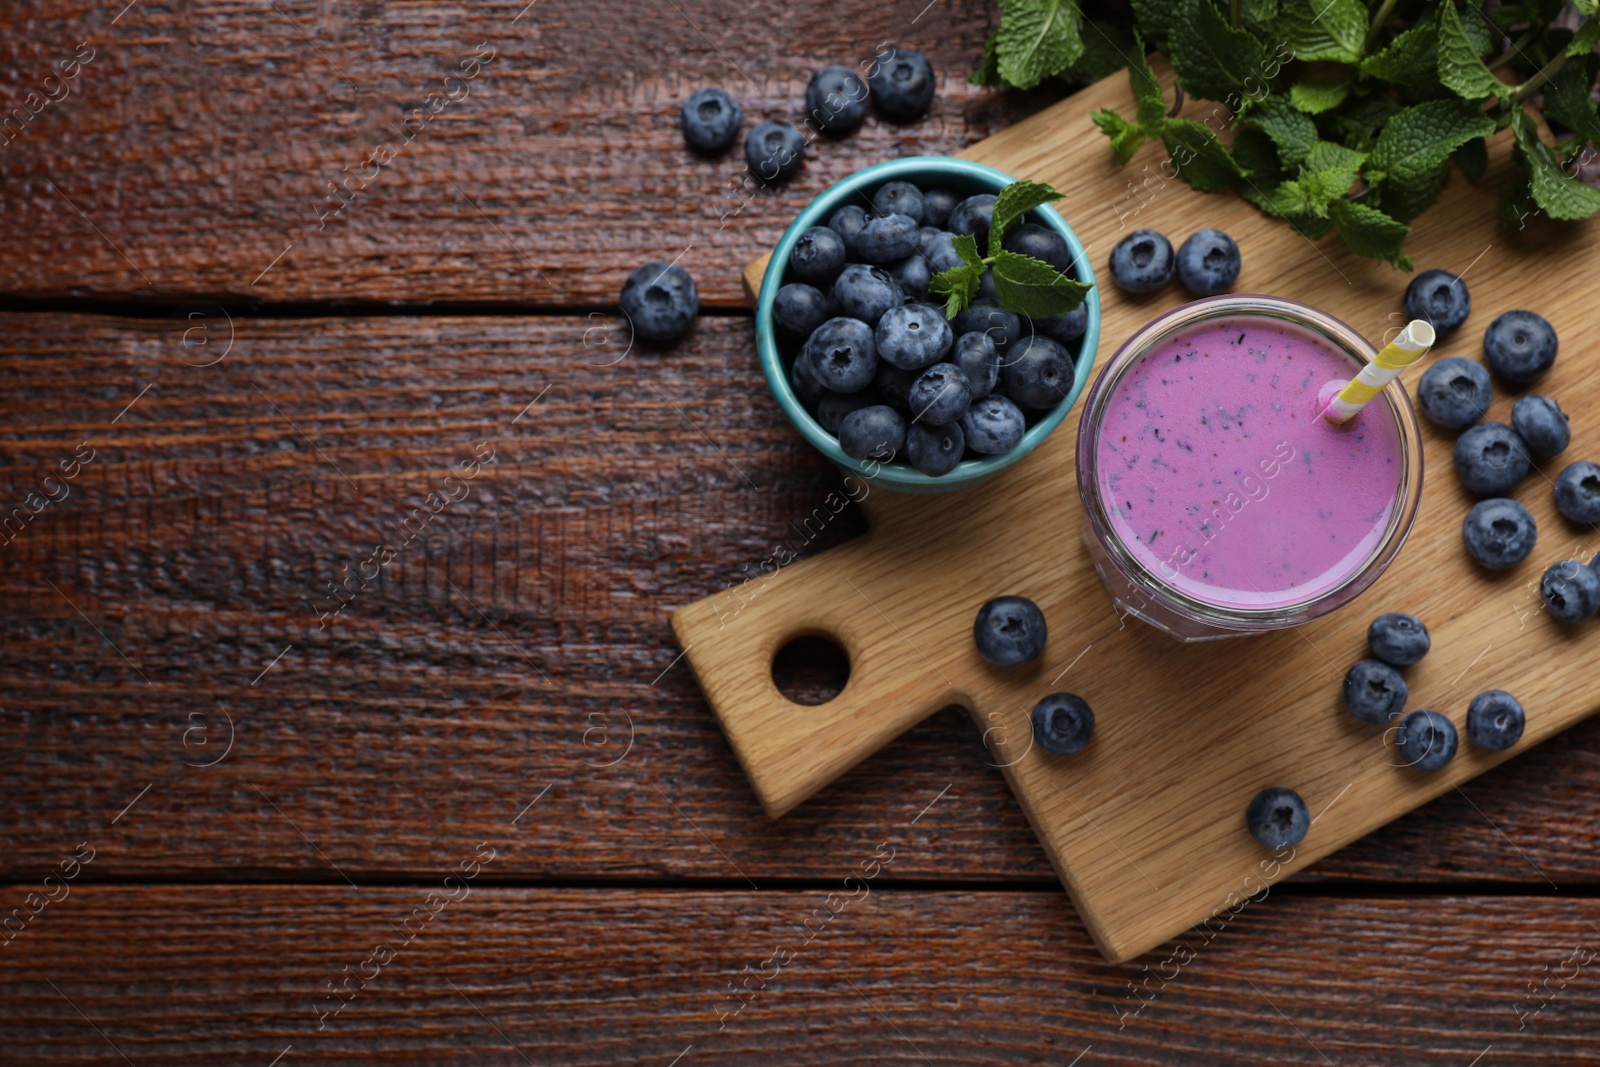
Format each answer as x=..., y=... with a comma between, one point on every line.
x=170, y=168
x=197, y=539
x=191, y=975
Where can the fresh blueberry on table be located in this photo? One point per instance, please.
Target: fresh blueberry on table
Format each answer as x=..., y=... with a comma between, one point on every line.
x=1495, y=720
x=800, y=308
x=1009, y=630
x=842, y=354
x=1142, y=262
x=1063, y=724
x=848, y=222
x=774, y=150
x=940, y=395
x=1426, y=740
x=1578, y=492
x=818, y=256
x=1520, y=346
x=836, y=99
x=711, y=119
x=1065, y=329
x=993, y=425
x=975, y=354
x=1454, y=392
x=913, y=336
x=894, y=385
x=1277, y=818
x=1439, y=297
x=913, y=276
x=972, y=216
x=877, y=432
x=833, y=408
x=1571, y=591
x=937, y=205
x=661, y=300
x=899, y=198
x=1040, y=242
x=902, y=85
x=886, y=238
x=1208, y=262
x=1038, y=373
x=986, y=316
x=1491, y=459
x=935, y=450
x=1398, y=639
x=1374, y=692
x=1499, y=533
x=1542, y=424
x=865, y=292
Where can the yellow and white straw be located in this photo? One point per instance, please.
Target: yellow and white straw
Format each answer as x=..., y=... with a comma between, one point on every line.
x=1412, y=344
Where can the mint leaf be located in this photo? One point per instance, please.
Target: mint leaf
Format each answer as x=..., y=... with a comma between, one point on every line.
x=1147, y=94
x=1015, y=201
x=966, y=246
x=1587, y=7
x=1461, y=69
x=958, y=285
x=1260, y=17
x=1314, y=97
x=1105, y=51
x=988, y=72
x=1412, y=58
x=1566, y=100
x=1327, y=174
x=1405, y=196
x=1213, y=60
x=1324, y=29
x=1358, y=122
x=1585, y=39
x=1037, y=39
x=1257, y=156
x=1292, y=132
x=1126, y=137
x=1199, y=157
x=1419, y=140
x=1473, y=158
x=1033, y=287
x=1371, y=233
x=1156, y=17
x=1560, y=196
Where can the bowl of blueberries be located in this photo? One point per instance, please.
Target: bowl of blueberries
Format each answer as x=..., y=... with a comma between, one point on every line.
x=863, y=358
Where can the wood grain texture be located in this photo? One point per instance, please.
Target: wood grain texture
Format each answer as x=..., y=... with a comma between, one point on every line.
x=187, y=975
x=1200, y=728
x=173, y=169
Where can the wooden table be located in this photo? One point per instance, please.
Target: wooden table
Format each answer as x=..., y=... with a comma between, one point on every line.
x=480, y=813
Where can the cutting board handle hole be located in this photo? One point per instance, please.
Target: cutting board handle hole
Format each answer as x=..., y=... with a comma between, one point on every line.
x=811, y=669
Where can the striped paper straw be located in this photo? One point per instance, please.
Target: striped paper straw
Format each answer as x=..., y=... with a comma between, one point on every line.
x=1412, y=344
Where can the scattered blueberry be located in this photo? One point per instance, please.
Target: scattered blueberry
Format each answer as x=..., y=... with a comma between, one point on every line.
x=818, y=256
x=1499, y=533
x=913, y=276
x=1439, y=297
x=1495, y=720
x=1491, y=459
x=1520, y=346
x=833, y=408
x=842, y=354
x=913, y=336
x=993, y=425
x=1208, y=262
x=1040, y=242
x=975, y=354
x=972, y=216
x=1066, y=328
x=1038, y=373
x=935, y=450
x=940, y=396
x=1142, y=262
x=937, y=205
x=1426, y=740
x=1398, y=639
x=1374, y=692
x=902, y=85
x=864, y=292
x=1578, y=491
x=1571, y=591
x=984, y=316
x=887, y=238
x=877, y=432
x=1009, y=630
x=799, y=309
x=899, y=198
x=711, y=119
x=1542, y=424
x=1454, y=392
x=1063, y=724
x=661, y=300
x=774, y=150
x=1277, y=818
x=836, y=99
x=848, y=222
x=894, y=385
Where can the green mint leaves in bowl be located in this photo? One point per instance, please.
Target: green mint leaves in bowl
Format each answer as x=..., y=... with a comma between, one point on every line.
x=1022, y=283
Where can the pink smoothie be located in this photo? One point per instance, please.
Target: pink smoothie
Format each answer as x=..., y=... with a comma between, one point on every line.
x=1221, y=478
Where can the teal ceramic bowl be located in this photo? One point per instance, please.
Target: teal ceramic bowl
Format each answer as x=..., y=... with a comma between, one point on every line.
x=928, y=172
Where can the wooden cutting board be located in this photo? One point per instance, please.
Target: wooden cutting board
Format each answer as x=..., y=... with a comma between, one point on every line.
x=1146, y=827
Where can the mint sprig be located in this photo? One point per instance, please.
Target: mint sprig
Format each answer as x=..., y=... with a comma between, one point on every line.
x=1022, y=283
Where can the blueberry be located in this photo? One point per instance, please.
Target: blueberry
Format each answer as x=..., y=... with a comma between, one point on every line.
x=842, y=355
x=1142, y=262
x=913, y=336
x=1040, y=242
x=837, y=99
x=941, y=253
x=1495, y=720
x=1374, y=692
x=1578, y=491
x=975, y=354
x=833, y=408
x=660, y=300
x=1571, y=591
x=902, y=85
x=848, y=222
x=894, y=386
x=1038, y=373
x=926, y=236
x=1441, y=298
x=935, y=450
x=983, y=316
x=899, y=198
x=986, y=288
x=937, y=205
x=887, y=238
x=1426, y=740
x=1520, y=346
x=1208, y=262
x=912, y=275
x=804, y=380
x=818, y=256
x=1398, y=639
x=799, y=309
x=774, y=150
x=1063, y=724
x=1491, y=459
x=1277, y=818
x=711, y=119
x=972, y=216
x=865, y=293
x=1067, y=328
x=1542, y=424
x=1454, y=392
x=940, y=396
x=1009, y=630
x=877, y=432
x=1499, y=533
x=993, y=425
